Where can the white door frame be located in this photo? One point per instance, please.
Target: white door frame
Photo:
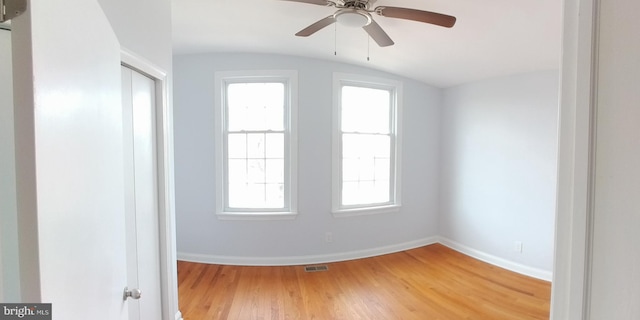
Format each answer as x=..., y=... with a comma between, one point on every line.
x=164, y=153
x=574, y=210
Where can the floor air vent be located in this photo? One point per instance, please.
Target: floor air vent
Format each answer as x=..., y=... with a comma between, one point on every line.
x=315, y=268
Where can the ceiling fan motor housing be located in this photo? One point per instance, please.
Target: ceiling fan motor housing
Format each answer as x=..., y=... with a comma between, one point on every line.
x=353, y=18
x=356, y=4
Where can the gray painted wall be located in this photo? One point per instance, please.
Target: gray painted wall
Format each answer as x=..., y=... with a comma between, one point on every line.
x=199, y=232
x=499, y=151
x=479, y=169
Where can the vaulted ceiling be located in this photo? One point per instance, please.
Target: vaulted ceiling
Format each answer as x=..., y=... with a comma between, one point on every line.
x=490, y=38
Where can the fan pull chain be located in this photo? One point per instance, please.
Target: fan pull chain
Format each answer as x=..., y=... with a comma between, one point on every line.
x=368, y=46
x=335, y=39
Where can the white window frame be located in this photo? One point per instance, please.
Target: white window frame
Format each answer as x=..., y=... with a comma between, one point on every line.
x=395, y=87
x=290, y=79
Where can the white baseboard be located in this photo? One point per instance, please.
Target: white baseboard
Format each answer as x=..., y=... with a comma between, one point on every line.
x=304, y=260
x=344, y=256
x=497, y=261
x=178, y=316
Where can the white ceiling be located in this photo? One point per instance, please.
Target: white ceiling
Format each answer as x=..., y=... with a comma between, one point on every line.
x=491, y=37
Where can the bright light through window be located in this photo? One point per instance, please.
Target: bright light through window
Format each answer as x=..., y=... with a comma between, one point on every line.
x=256, y=150
x=366, y=149
x=365, y=172
x=255, y=145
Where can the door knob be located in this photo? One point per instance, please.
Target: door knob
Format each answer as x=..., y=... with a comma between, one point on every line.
x=133, y=293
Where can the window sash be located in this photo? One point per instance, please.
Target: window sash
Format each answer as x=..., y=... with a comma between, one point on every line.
x=254, y=194
x=248, y=178
x=263, y=170
x=379, y=188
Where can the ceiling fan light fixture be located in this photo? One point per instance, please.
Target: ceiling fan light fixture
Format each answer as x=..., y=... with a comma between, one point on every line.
x=353, y=18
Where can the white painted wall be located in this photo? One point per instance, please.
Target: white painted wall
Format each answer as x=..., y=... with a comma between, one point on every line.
x=615, y=257
x=597, y=274
x=9, y=266
x=573, y=199
x=499, y=140
x=143, y=28
x=69, y=159
x=57, y=227
x=201, y=236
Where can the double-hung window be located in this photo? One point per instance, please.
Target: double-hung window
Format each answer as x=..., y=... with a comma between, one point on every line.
x=255, y=144
x=366, y=145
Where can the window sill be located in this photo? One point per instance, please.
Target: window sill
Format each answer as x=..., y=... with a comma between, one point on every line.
x=366, y=211
x=256, y=215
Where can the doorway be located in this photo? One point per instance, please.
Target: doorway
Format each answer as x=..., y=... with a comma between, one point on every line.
x=141, y=196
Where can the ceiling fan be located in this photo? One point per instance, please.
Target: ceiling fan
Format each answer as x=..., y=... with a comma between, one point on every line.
x=358, y=13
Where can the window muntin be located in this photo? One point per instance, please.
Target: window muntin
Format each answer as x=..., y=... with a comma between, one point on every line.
x=257, y=156
x=365, y=145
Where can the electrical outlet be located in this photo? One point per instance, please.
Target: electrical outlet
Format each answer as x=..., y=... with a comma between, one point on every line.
x=517, y=246
x=328, y=236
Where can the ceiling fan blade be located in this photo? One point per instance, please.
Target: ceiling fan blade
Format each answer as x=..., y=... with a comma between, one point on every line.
x=318, y=2
x=316, y=26
x=438, y=19
x=379, y=36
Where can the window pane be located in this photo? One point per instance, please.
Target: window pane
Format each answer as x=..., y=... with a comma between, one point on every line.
x=256, y=171
x=254, y=197
x=382, y=169
x=350, y=193
x=365, y=145
x=380, y=193
x=365, y=192
x=380, y=145
x=237, y=145
x=274, y=117
x=237, y=171
x=255, y=106
x=255, y=145
x=275, y=171
x=275, y=145
x=366, y=168
x=352, y=146
x=274, y=195
x=237, y=117
x=350, y=169
x=237, y=195
x=365, y=110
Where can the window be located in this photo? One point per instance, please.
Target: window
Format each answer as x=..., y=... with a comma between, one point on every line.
x=255, y=149
x=366, y=170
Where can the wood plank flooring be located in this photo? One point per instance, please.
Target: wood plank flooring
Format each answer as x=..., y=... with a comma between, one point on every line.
x=427, y=283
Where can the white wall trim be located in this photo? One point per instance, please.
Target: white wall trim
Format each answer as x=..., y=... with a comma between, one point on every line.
x=142, y=65
x=352, y=255
x=178, y=316
x=497, y=261
x=571, y=278
x=303, y=260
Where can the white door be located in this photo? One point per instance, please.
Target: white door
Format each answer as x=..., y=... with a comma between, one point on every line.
x=8, y=238
x=69, y=159
x=143, y=255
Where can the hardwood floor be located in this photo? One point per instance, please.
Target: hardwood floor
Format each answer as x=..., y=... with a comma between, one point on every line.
x=427, y=283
